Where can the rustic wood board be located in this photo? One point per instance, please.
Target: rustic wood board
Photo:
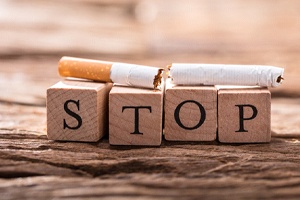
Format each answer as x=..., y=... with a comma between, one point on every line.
x=35, y=34
x=34, y=167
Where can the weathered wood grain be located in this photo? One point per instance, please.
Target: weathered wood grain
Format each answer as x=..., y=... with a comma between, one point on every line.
x=35, y=34
x=184, y=169
x=34, y=167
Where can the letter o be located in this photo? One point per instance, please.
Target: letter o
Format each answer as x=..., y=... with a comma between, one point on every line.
x=202, y=113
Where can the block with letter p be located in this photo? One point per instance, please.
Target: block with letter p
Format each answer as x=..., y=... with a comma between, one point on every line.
x=244, y=115
x=77, y=110
x=135, y=116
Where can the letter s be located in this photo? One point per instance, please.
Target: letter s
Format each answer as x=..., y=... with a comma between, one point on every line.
x=73, y=114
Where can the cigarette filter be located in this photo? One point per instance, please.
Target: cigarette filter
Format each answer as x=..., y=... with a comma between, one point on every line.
x=219, y=74
x=121, y=73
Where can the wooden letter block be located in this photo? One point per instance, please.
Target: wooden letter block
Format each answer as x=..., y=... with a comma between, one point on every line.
x=135, y=116
x=77, y=110
x=191, y=113
x=244, y=115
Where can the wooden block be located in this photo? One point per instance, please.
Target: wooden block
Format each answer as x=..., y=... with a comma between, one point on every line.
x=77, y=110
x=135, y=116
x=244, y=115
x=191, y=113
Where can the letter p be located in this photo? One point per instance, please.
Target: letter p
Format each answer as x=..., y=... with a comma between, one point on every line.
x=242, y=118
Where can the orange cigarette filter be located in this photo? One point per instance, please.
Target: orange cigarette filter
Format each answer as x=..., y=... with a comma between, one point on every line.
x=85, y=68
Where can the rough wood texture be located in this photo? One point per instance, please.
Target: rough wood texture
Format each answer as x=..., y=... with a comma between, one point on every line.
x=77, y=111
x=36, y=34
x=190, y=113
x=244, y=115
x=135, y=116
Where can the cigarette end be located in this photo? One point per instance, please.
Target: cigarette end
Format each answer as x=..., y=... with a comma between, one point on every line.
x=157, y=79
x=280, y=79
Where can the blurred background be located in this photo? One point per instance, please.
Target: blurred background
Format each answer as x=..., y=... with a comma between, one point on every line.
x=34, y=34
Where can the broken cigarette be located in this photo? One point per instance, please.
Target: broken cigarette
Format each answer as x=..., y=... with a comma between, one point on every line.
x=121, y=73
x=219, y=74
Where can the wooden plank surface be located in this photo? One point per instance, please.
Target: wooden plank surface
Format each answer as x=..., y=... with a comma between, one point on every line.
x=36, y=34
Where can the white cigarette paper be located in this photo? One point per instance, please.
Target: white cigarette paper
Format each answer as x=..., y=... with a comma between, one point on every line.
x=133, y=75
x=219, y=74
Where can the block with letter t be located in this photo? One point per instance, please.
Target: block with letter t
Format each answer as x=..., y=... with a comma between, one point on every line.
x=135, y=116
x=244, y=115
x=77, y=110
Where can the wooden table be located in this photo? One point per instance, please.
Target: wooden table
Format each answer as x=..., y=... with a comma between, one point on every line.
x=34, y=35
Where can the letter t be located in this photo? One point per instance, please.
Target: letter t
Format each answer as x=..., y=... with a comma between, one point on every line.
x=136, y=116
